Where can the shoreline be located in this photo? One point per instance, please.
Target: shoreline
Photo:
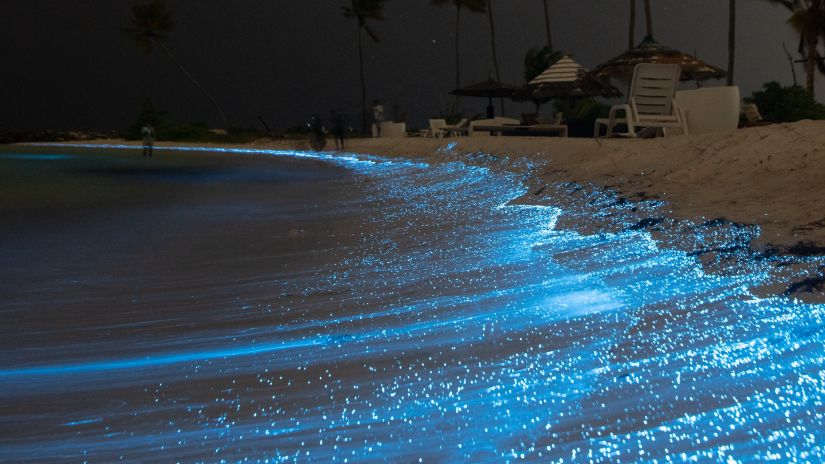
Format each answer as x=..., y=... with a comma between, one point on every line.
x=764, y=181
x=769, y=176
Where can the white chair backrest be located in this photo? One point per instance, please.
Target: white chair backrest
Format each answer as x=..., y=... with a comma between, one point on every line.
x=751, y=113
x=653, y=87
x=559, y=118
x=436, y=124
x=462, y=123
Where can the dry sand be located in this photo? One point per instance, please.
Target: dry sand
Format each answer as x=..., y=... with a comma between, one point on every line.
x=770, y=176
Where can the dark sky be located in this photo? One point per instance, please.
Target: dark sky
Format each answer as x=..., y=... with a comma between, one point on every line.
x=67, y=64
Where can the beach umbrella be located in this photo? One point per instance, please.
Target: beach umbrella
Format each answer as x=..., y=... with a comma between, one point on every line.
x=490, y=89
x=565, y=79
x=650, y=51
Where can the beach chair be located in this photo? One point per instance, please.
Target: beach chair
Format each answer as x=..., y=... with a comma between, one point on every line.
x=457, y=129
x=650, y=104
x=436, y=129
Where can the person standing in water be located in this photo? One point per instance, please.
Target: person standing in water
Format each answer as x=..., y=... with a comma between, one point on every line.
x=339, y=128
x=377, y=118
x=148, y=133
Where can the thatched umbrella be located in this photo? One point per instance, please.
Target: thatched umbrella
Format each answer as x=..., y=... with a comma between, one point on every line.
x=566, y=79
x=650, y=51
x=490, y=88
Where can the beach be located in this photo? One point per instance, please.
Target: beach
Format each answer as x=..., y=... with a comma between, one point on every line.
x=472, y=299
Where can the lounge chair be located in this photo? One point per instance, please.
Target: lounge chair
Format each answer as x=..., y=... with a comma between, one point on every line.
x=752, y=115
x=436, y=129
x=650, y=103
x=461, y=128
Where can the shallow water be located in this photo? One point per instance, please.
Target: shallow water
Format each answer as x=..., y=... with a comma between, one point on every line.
x=391, y=312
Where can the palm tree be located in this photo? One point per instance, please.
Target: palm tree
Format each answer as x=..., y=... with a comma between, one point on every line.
x=731, y=39
x=475, y=6
x=362, y=11
x=631, y=33
x=493, y=47
x=808, y=19
x=151, y=22
x=648, y=20
x=547, y=23
x=536, y=61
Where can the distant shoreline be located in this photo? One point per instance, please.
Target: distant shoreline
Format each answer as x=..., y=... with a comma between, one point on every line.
x=771, y=176
x=768, y=176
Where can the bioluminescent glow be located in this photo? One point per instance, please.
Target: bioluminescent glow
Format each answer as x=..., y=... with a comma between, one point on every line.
x=451, y=323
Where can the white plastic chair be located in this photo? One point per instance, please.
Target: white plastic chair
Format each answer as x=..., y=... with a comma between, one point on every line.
x=437, y=128
x=650, y=103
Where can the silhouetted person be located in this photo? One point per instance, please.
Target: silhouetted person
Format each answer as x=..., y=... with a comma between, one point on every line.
x=148, y=133
x=316, y=127
x=377, y=117
x=339, y=128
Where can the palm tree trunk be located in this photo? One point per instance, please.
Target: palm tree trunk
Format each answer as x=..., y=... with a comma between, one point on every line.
x=493, y=47
x=363, y=82
x=193, y=80
x=810, y=62
x=631, y=33
x=731, y=39
x=457, y=56
x=547, y=24
x=648, y=20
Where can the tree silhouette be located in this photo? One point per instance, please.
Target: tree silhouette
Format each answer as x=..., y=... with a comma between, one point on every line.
x=547, y=23
x=475, y=6
x=808, y=20
x=731, y=39
x=363, y=11
x=631, y=33
x=150, y=24
x=493, y=47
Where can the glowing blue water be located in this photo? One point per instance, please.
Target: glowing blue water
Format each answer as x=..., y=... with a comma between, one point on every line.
x=458, y=327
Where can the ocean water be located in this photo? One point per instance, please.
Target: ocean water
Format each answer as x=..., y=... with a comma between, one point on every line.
x=352, y=308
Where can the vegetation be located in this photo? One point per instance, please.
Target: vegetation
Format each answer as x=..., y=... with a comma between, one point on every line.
x=151, y=22
x=363, y=11
x=786, y=104
x=582, y=116
x=166, y=129
x=808, y=19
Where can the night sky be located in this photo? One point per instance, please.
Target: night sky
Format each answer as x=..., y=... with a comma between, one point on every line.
x=68, y=65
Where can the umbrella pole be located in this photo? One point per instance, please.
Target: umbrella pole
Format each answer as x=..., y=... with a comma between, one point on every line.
x=491, y=110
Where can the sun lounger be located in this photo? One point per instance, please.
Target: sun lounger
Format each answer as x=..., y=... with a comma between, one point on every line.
x=461, y=128
x=650, y=103
x=436, y=129
x=505, y=126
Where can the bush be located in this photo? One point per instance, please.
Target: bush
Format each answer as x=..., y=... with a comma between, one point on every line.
x=786, y=104
x=166, y=129
x=582, y=116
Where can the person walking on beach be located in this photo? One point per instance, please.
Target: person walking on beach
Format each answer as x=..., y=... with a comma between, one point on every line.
x=377, y=118
x=339, y=128
x=148, y=133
